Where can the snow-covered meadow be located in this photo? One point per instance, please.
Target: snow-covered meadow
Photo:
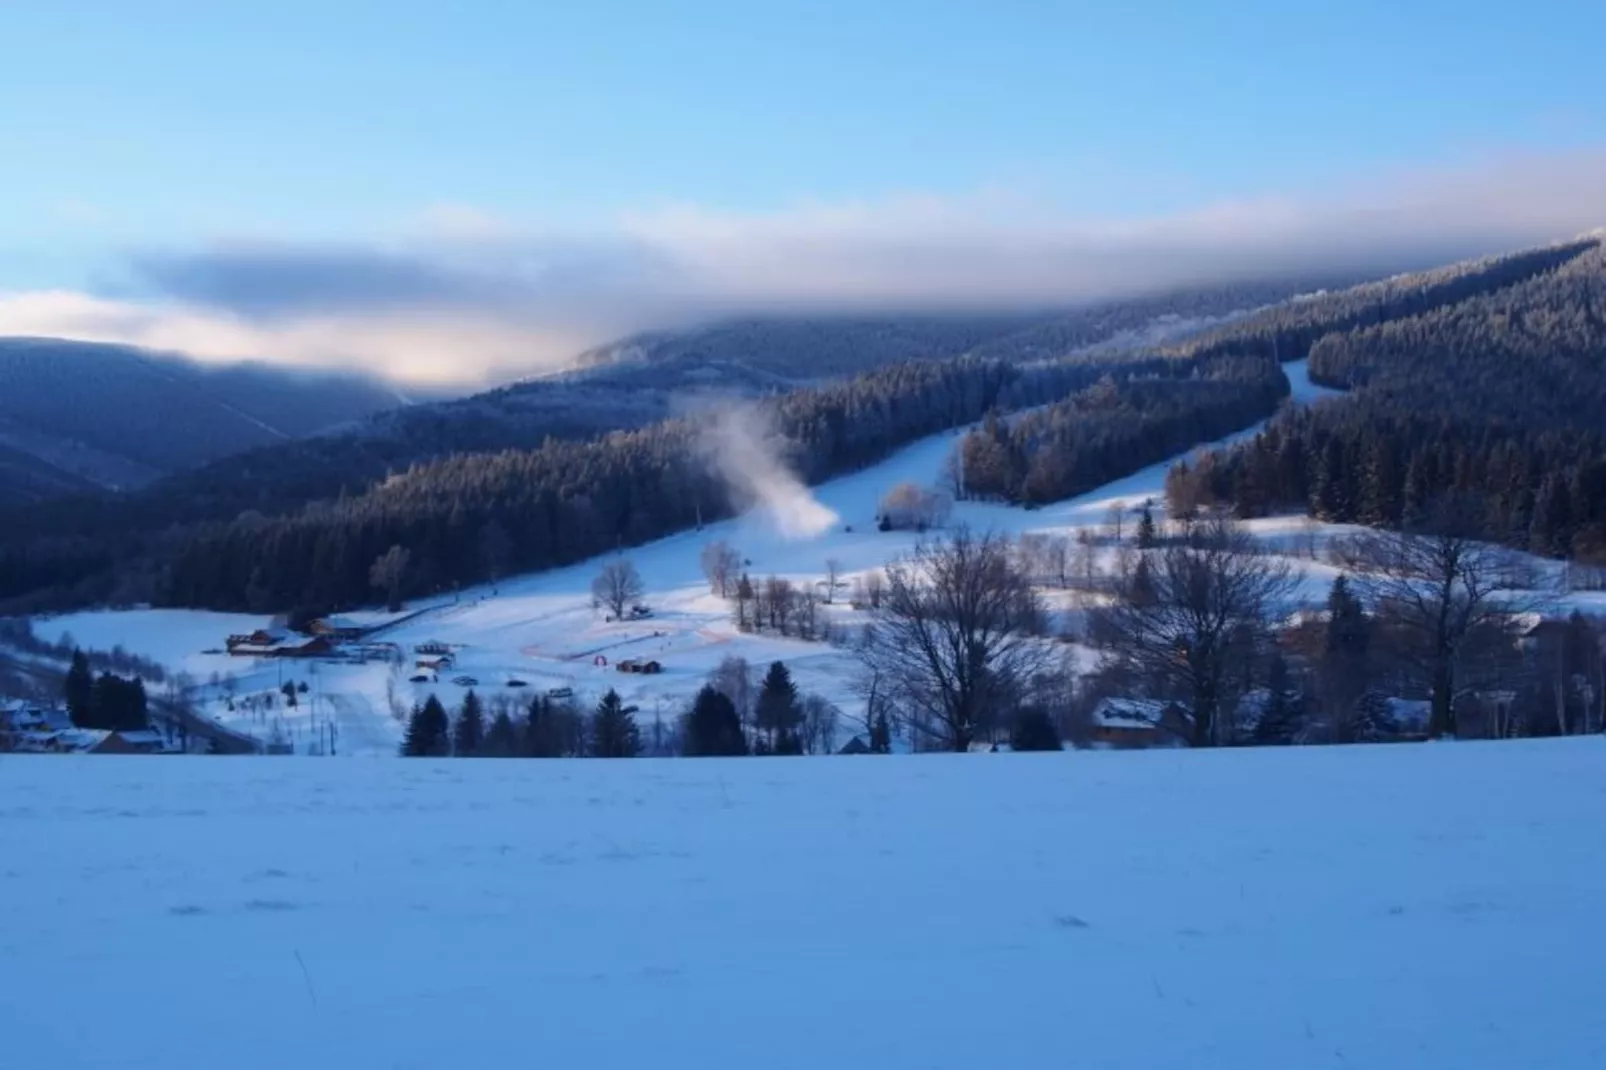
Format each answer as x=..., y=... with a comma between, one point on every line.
x=1418, y=907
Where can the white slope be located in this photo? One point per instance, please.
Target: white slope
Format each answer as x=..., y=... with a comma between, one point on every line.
x=542, y=629
x=1424, y=907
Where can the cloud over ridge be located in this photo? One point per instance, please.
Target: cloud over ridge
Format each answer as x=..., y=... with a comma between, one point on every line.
x=470, y=298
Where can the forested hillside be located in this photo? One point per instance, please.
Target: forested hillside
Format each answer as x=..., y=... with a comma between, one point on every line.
x=630, y=385
x=1099, y=434
x=1114, y=427
x=111, y=416
x=512, y=481
x=793, y=351
x=1500, y=396
x=1288, y=331
x=474, y=517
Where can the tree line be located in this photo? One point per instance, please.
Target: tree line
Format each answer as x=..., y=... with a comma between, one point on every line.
x=1112, y=428
x=731, y=716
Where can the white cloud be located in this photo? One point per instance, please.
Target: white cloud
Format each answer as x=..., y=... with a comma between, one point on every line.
x=464, y=296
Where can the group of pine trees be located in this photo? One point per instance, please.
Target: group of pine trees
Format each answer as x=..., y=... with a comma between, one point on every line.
x=711, y=726
x=1107, y=430
x=106, y=701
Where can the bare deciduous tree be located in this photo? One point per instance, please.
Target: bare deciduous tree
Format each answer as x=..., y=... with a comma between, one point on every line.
x=956, y=640
x=722, y=566
x=1180, y=618
x=778, y=599
x=833, y=576
x=617, y=586
x=1057, y=559
x=819, y=725
x=1114, y=518
x=911, y=506
x=1085, y=559
x=874, y=589
x=805, y=614
x=733, y=678
x=1439, y=591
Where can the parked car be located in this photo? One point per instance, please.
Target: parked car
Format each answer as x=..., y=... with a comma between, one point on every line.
x=516, y=682
x=421, y=678
x=560, y=692
x=465, y=681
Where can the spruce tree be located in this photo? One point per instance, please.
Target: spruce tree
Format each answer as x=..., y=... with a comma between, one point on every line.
x=778, y=712
x=1146, y=535
x=1142, y=591
x=1034, y=730
x=469, y=731
x=1550, y=532
x=1382, y=485
x=1330, y=492
x=712, y=727
x=613, y=731
x=880, y=734
x=1348, y=627
x=1280, y=720
x=540, y=739
x=415, y=744
x=79, y=691
x=428, y=731
x=502, y=738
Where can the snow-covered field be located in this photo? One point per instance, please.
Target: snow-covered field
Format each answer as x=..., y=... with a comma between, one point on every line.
x=1383, y=907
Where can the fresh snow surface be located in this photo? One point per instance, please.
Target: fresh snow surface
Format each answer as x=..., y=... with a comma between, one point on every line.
x=542, y=629
x=1410, y=907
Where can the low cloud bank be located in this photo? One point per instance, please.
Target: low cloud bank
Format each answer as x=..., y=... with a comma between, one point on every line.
x=472, y=299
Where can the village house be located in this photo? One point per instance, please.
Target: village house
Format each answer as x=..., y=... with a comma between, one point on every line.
x=281, y=643
x=1134, y=722
x=87, y=741
x=337, y=629
x=262, y=643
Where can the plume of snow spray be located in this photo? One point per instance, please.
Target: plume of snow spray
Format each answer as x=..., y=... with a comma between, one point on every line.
x=747, y=455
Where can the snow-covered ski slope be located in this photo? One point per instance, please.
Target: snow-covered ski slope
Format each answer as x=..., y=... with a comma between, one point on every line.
x=542, y=629
x=1395, y=908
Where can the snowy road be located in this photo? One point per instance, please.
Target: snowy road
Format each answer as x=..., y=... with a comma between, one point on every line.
x=362, y=731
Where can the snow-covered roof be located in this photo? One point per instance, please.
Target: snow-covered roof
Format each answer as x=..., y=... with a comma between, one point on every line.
x=28, y=715
x=1410, y=713
x=71, y=739
x=147, y=737
x=1128, y=713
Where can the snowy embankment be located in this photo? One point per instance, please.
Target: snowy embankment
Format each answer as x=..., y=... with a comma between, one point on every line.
x=1387, y=907
x=542, y=629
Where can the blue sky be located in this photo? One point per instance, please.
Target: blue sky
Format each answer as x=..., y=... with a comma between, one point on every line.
x=132, y=128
